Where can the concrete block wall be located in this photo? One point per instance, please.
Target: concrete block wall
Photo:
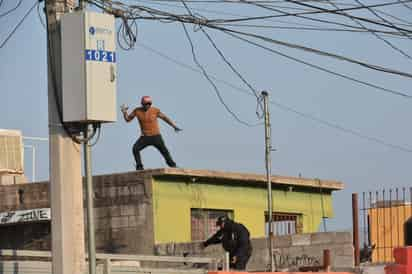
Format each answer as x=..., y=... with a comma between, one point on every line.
x=24, y=196
x=123, y=214
x=290, y=251
x=293, y=251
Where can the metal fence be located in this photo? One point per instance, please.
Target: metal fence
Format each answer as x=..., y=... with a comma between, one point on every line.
x=385, y=221
x=38, y=262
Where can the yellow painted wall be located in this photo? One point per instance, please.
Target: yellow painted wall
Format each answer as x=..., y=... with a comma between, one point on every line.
x=387, y=230
x=172, y=201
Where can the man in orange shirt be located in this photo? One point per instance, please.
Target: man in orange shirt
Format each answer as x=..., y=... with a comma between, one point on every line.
x=150, y=131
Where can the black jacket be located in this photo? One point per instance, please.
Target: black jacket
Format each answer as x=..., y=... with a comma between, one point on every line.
x=235, y=239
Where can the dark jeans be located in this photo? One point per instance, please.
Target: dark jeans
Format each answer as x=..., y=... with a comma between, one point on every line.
x=157, y=142
x=241, y=261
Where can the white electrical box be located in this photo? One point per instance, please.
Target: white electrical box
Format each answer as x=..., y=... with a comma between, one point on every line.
x=88, y=67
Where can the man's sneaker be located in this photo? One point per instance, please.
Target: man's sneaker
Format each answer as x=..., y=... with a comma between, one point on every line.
x=138, y=168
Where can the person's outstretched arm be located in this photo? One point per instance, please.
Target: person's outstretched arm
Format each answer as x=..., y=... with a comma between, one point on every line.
x=215, y=239
x=168, y=121
x=128, y=117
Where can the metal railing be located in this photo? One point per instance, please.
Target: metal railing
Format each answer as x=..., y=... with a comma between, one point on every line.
x=105, y=262
x=385, y=217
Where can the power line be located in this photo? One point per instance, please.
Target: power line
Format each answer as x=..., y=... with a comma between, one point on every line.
x=390, y=91
x=351, y=16
x=206, y=75
x=375, y=34
x=389, y=34
x=228, y=63
x=405, y=22
x=283, y=14
x=383, y=19
x=18, y=25
x=12, y=9
x=327, y=11
x=282, y=106
x=305, y=26
x=40, y=18
x=320, y=52
x=201, y=22
x=405, y=5
x=204, y=22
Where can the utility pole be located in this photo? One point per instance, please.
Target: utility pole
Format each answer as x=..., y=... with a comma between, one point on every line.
x=90, y=205
x=268, y=160
x=68, y=255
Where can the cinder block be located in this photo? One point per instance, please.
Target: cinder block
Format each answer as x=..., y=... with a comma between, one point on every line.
x=110, y=192
x=322, y=238
x=342, y=261
x=348, y=250
x=293, y=250
x=101, y=212
x=115, y=211
x=343, y=237
x=260, y=243
x=119, y=222
x=124, y=191
x=342, y=249
x=314, y=250
x=282, y=241
x=101, y=223
x=300, y=239
x=132, y=221
x=127, y=210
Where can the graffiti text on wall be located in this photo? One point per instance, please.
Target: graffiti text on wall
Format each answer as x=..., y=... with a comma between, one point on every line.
x=286, y=260
x=22, y=216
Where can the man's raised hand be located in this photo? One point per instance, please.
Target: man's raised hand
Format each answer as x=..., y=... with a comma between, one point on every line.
x=124, y=108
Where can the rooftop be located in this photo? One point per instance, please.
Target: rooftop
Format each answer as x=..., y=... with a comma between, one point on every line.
x=245, y=177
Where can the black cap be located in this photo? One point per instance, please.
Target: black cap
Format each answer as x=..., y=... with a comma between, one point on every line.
x=221, y=220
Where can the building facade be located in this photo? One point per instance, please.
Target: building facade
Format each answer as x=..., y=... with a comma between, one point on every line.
x=135, y=211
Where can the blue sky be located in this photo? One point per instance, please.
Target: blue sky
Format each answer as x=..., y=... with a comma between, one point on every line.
x=211, y=139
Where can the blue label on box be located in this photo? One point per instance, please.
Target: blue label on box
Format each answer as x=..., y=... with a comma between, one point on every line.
x=100, y=55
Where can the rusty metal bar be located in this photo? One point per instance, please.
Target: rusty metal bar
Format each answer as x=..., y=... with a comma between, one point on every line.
x=364, y=213
x=369, y=224
x=377, y=225
x=384, y=223
x=390, y=219
x=404, y=207
x=355, y=226
x=326, y=260
x=397, y=218
x=410, y=205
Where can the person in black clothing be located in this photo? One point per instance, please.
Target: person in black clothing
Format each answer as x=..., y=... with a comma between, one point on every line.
x=235, y=239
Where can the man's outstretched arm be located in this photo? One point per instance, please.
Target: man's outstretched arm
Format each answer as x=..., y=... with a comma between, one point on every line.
x=128, y=117
x=214, y=239
x=168, y=121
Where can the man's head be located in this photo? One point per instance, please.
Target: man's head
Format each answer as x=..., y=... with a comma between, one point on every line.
x=146, y=102
x=222, y=221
